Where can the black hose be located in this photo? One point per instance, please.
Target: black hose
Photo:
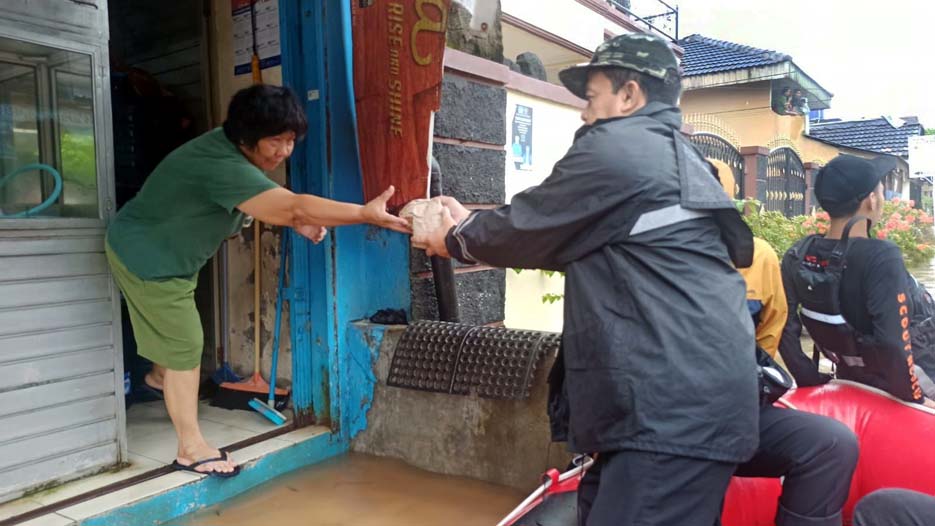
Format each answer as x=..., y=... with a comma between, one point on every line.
x=446, y=291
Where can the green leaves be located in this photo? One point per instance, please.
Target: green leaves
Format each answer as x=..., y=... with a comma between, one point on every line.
x=552, y=298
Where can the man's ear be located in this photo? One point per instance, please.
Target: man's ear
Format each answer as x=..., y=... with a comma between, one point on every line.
x=631, y=89
x=873, y=202
x=631, y=97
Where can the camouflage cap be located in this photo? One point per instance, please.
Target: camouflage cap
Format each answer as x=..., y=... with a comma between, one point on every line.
x=646, y=53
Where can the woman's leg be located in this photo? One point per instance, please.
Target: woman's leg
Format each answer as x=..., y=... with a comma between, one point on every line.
x=168, y=332
x=156, y=378
x=181, y=392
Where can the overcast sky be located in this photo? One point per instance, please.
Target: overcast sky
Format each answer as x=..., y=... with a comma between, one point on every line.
x=875, y=60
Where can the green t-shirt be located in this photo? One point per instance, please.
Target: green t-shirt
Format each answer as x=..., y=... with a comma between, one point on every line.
x=186, y=208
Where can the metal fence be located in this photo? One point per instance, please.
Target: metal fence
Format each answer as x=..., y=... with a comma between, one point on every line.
x=716, y=147
x=655, y=16
x=785, y=182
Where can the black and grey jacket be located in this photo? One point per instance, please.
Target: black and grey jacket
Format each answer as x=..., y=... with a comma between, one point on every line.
x=658, y=343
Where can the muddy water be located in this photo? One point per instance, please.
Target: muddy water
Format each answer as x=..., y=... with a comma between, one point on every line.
x=926, y=275
x=363, y=490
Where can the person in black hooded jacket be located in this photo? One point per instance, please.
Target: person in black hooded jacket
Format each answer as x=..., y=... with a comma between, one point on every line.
x=658, y=348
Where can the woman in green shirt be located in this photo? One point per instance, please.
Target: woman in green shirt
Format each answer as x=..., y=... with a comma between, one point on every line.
x=194, y=199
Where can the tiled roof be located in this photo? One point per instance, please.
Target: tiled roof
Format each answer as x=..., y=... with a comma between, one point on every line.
x=876, y=135
x=705, y=55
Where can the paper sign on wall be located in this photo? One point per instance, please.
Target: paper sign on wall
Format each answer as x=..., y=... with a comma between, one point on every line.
x=521, y=149
x=266, y=15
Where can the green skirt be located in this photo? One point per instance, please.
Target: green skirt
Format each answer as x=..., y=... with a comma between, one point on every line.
x=166, y=324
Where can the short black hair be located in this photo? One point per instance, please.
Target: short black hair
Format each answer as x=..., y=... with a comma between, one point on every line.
x=845, y=211
x=849, y=209
x=657, y=90
x=263, y=111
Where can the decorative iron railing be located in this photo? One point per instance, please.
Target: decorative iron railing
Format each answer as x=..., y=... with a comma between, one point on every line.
x=715, y=147
x=654, y=15
x=785, y=182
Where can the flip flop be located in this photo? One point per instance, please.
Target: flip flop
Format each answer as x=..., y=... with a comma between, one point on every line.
x=192, y=467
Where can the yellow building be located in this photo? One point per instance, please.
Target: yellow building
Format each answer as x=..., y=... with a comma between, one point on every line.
x=752, y=108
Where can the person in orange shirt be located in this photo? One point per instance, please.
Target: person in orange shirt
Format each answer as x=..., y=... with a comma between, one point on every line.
x=766, y=297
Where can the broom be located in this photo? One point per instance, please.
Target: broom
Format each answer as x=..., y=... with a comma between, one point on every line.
x=268, y=409
x=237, y=395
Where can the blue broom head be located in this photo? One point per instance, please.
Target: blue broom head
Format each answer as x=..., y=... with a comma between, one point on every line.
x=271, y=414
x=225, y=374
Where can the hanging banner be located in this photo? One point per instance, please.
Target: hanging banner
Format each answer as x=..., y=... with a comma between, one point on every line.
x=399, y=48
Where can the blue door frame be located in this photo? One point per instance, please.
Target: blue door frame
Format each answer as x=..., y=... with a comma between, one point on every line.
x=357, y=270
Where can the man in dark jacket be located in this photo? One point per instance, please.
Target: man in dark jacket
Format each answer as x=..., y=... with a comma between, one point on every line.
x=659, y=367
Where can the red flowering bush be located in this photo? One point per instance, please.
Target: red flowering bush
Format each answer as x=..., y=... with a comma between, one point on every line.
x=908, y=227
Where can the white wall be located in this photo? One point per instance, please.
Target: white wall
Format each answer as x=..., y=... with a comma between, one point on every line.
x=553, y=128
x=565, y=18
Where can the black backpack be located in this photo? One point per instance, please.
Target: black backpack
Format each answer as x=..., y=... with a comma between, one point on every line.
x=818, y=289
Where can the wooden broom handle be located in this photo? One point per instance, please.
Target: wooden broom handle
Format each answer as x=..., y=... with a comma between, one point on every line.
x=256, y=296
x=257, y=79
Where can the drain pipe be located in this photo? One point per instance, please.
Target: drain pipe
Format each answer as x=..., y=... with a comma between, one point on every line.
x=446, y=291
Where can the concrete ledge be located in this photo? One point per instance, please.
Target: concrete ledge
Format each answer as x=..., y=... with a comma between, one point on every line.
x=500, y=441
x=490, y=72
x=171, y=496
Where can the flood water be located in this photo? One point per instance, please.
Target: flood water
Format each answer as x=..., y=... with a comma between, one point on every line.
x=926, y=275
x=363, y=490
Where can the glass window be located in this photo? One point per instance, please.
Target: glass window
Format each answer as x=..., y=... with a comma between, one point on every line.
x=789, y=100
x=48, y=164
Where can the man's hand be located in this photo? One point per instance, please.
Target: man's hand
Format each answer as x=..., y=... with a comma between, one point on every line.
x=458, y=212
x=375, y=213
x=315, y=233
x=434, y=242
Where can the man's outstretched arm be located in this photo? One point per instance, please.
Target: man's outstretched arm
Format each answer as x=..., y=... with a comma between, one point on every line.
x=575, y=211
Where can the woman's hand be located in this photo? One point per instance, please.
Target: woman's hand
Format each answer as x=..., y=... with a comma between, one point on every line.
x=315, y=233
x=375, y=213
x=282, y=207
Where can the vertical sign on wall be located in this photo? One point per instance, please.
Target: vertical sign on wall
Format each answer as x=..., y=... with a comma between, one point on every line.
x=399, y=46
x=521, y=149
x=266, y=17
